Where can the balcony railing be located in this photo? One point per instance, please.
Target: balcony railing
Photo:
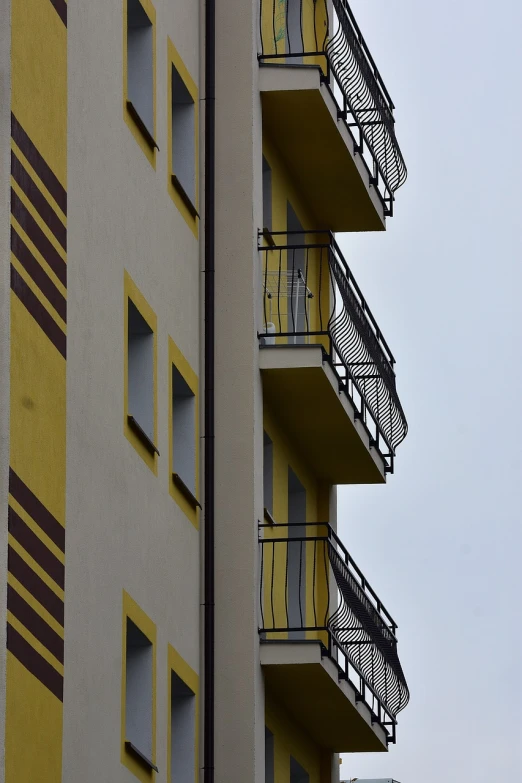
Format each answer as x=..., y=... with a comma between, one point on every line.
x=311, y=297
x=312, y=590
x=298, y=32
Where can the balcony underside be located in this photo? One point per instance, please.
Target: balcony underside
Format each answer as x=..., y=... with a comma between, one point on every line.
x=300, y=118
x=308, y=687
x=302, y=392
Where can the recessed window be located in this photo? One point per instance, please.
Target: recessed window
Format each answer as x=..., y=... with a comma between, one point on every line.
x=183, y=430
x=267, y=196
x=269, y=756
x=138, y=694
x=268, y=474
x=140, y=67
x=140, y=347
x=183, y=731
x=183, y=137
x=297, y=773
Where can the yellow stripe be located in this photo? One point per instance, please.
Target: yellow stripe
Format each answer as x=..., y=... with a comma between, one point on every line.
x=41, y=223
x=33, y=641
x=27, y=166
x=39, y=257
x=44, y=576
x=34, y=604
x=39, y=295
x=37, y=530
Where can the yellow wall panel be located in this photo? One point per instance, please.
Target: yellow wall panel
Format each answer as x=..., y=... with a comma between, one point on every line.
x=37, y=410
x=29, y=703
x=39, y=79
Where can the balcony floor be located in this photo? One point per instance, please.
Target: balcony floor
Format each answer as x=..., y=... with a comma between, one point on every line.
x=302, y=392
x=308, y=686
x=300, y=117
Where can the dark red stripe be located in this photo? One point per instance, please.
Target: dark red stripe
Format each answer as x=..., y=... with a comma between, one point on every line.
x=38, y=238
x=36, y=509
x=60, y=6
x=34, y=623
x=23, y=572
x=40, y=277
x=34, y=662
x=36, y=548
x=38, y=200
x=44, y=320
x=38, y=163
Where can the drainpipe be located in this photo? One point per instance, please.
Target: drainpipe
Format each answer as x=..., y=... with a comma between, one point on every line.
x=210, y=122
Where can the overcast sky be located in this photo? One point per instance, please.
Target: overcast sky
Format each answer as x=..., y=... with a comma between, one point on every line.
x=442, y=542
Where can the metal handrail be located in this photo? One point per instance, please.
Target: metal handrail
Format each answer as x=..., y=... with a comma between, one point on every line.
x=291, y=33
x=342, y=612
x=334, y=308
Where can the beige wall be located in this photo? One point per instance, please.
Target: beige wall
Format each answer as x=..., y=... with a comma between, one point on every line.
x=124, y=530
x=239, y=419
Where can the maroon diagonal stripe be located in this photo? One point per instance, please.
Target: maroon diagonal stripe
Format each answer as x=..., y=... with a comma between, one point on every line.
x=38, y=238
x=34, y=662
x=36, y=509
x=60, y=6
x=38, y=200
x=23, y=572
x=33, y=305
x=44, y=171
x=35, y=547
x=38, y=274
x=41, y=630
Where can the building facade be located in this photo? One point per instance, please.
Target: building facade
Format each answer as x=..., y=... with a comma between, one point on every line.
x=188, y=369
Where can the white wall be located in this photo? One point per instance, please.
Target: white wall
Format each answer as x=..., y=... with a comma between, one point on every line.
x=124, y=530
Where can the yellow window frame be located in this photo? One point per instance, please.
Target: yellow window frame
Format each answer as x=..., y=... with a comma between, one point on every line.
x=180, y=667
x=190, y=215
x=140, y=133
x=177, y=360
x=135, y=613
x=132, y=293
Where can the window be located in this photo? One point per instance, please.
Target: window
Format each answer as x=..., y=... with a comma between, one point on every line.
x=140, y=69
x=184, y=433
x=140, y=398
x=141, y=371
x=183, y=138
x=182, y=759
x=269, y=756
x=182, y=730
x=267, y=196
x=138, y=695
x=268, y=476
x=183, y=429
x=297, y=773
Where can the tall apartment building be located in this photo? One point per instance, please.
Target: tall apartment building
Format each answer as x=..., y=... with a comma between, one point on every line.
x=188, y=369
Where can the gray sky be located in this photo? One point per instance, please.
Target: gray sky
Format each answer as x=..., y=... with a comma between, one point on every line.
x=441, y=543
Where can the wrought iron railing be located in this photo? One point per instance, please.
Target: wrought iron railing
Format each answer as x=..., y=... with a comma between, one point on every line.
x=301, y=32
x=311, y=589
x=311, y=296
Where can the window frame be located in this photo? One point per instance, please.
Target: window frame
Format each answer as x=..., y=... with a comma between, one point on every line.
x=143, y=136
x=188, y=210
x=139, y=767
x=189, y=505
x=146, y=448
x=177, y=665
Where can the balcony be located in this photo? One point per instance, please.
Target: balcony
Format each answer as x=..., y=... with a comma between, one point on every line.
x=328, y=373
x=329, y=113
x=328, y=645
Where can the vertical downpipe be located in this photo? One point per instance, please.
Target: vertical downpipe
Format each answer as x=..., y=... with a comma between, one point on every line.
x=210, y=119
